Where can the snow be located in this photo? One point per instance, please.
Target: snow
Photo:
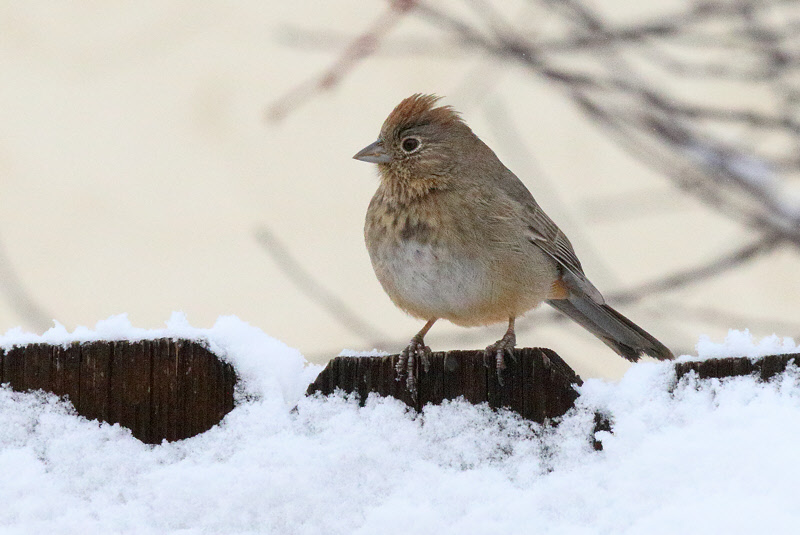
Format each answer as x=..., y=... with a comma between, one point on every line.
x=371, y=353
x=741, y=344
x=716, y=456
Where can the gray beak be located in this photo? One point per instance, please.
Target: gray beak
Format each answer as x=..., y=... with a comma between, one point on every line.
x=374, y=153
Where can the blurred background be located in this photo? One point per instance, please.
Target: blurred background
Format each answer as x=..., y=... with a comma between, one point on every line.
x=176, y=155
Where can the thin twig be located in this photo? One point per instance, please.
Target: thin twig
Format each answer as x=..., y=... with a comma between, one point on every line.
x=21, y=301
x=304, y=281
x=694, y=275
x=362, y=47
x=728, y=319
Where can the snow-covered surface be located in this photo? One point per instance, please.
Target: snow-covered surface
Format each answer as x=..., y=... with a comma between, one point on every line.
x=741, y=344
x=709, y=457
x=354, y=353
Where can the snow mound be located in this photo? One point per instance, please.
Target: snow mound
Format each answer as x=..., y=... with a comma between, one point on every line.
x=714, y=456
x=741, y=344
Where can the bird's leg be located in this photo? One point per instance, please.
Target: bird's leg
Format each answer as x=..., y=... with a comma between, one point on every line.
x=416, y=349
x=499, y=349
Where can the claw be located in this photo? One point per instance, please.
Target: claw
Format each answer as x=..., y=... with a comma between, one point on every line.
x=500, y=360
x=499, y=349
x=408, y=360
x=510, y=352
x=411, y=380
x=500, y=363
x=402, y=362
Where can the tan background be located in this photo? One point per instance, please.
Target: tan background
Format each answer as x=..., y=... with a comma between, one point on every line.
x=137, y=163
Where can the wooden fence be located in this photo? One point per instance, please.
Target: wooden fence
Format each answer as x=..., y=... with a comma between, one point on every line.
x=159, y=389
x=168, y=389
x=763, y=367
x=537, y=383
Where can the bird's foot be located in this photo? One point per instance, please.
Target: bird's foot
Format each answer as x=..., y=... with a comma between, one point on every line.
x=408, y=358
x=498, y=351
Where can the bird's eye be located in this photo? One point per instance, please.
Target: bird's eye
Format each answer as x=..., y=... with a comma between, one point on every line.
x=410, y=144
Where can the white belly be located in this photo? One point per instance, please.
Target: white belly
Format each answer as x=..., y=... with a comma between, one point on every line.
x=429, y=281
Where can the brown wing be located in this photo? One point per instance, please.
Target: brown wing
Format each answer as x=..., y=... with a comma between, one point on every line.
x=545, y=234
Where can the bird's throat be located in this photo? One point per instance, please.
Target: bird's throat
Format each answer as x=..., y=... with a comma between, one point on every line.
x=402, y=187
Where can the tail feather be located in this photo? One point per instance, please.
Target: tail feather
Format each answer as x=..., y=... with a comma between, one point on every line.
x=612, y=328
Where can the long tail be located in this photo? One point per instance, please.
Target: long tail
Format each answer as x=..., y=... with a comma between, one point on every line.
x=615, y=330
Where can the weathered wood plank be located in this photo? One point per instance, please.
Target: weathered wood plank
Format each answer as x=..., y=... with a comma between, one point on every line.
x=129, y=389
x=68, y=381
x=159, y=389
x=167, y=389
x=37, y=370
x=14, y=368
x=536, y=383
x=229, y=386
x=94, y=373
x=195, y=388
x=765, y=367
x=165, y=395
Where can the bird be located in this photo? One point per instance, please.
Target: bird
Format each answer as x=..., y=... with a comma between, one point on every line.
x=453, y=234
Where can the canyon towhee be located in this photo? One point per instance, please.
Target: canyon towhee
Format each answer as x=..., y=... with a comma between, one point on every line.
x=453, y=234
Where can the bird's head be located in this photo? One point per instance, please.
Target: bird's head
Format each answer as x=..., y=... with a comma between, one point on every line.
x=418, y=141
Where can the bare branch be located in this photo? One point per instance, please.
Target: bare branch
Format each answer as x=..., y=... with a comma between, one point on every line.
x=307, y=283
x=362, y=47
x=19, y=298
x=728, y=319
x=697, y=274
